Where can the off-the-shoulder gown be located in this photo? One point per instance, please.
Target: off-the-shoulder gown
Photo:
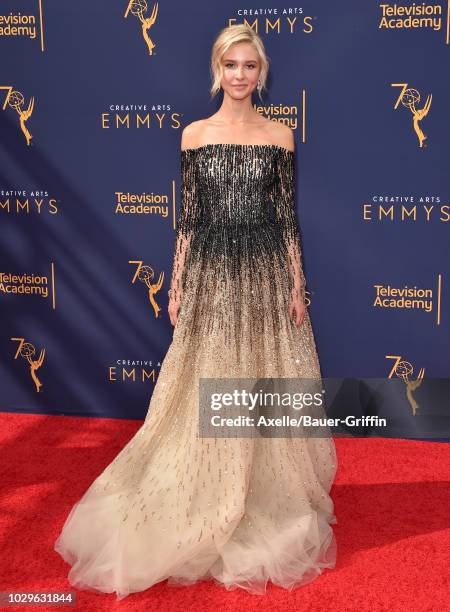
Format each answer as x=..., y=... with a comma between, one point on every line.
x=238, y=511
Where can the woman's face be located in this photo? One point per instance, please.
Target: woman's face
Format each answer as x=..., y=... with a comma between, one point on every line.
x=240, y=70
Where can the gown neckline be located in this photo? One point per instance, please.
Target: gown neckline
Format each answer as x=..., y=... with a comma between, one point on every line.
x=236, y=144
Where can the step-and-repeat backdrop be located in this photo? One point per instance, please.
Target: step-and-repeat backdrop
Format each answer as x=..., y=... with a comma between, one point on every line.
x=93, y=98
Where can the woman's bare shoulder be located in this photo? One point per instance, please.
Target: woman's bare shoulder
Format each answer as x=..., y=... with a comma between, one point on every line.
x=283, y=136
x=190, y=136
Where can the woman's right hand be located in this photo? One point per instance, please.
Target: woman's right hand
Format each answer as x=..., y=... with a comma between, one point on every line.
x=174, y=307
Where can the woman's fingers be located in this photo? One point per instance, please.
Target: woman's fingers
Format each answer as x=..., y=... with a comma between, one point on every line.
x=301, y=315
x=173, y=312
x=297, y=313
x=293, y=313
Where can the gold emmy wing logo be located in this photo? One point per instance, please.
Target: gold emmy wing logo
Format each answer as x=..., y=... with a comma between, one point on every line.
x=27, y=351
x=146, y=275
x=138, y=8
x=16, y=100
x=410, y=98
x=403, y=370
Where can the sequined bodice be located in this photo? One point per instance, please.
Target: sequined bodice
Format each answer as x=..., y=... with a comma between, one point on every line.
x=238, y=210
x=235, y=183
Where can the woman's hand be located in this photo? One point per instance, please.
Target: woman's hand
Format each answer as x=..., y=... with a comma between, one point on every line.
x=297, y=308
x=173, y=308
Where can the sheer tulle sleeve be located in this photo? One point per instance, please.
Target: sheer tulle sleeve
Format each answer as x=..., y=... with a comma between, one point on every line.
x=284, y=203
x=188, y=217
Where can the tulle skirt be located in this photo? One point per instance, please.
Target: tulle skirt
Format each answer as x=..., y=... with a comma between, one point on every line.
x=236, y=510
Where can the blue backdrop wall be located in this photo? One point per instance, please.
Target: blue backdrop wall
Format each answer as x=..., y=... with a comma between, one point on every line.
x=91, y=113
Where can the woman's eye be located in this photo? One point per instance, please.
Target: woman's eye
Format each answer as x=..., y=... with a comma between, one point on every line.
x=231, y=65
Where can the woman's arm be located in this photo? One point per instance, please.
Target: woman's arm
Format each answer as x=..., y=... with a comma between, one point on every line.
x=284, y=202
x=188, y=217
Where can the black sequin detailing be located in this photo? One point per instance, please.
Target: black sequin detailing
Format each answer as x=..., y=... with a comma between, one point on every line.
x=238, y=210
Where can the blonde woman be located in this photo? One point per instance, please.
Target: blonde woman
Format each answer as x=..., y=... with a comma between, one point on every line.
x=240, y=510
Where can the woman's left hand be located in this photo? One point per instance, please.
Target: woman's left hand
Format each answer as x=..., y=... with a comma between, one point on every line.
x=297, y=309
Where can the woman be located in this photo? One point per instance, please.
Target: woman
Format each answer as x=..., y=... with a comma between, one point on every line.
x=238, y=510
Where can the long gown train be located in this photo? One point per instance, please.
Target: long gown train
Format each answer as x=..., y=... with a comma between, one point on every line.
x=239, y=511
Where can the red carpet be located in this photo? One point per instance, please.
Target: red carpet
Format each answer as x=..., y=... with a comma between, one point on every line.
x=392, y=502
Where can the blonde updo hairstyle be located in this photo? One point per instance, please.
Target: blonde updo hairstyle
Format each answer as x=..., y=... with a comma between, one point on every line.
x=232, y=35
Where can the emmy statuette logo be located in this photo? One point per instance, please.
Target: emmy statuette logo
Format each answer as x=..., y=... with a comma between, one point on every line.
x=16, y=100
x=138, y=8
x=146, y=275
x=403, y=370
x=27, y=351
x=410, y=98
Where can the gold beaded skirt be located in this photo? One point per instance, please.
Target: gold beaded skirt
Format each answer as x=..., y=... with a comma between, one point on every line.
x=239, y=511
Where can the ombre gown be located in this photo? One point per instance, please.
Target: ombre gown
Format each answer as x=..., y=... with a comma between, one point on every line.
x=238, y=511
